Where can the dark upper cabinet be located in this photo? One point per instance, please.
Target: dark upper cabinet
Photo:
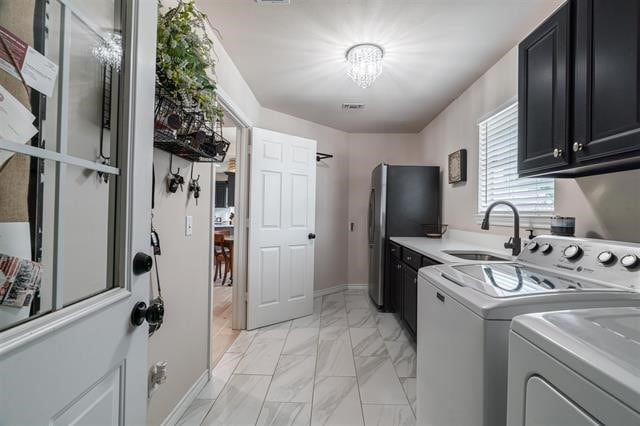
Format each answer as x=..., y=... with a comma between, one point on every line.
x=579, y=91
x=543, y=95
x=231, y=189
x=221, y=194
x=410, y=298
x=226, y=191
x=607, y=80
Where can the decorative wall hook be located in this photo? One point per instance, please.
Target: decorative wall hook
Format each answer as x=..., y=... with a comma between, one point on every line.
x=194, y=185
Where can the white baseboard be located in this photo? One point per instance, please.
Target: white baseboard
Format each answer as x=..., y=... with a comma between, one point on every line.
x=330, y=290
x=339, y=288
x=357, y=286
x=186, y=400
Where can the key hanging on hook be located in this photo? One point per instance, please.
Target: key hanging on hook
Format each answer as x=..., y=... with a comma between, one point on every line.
x=175, y=180
x=194, y=185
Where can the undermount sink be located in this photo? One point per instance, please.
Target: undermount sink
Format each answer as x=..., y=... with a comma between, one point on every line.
x=477, y=255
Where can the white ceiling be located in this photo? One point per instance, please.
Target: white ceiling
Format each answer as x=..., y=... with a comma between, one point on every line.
x=292, y=56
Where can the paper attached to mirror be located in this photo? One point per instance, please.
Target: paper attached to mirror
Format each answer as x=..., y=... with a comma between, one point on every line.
x=15, y=122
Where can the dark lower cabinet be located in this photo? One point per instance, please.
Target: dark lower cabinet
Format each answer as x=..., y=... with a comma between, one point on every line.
x=401, y=272
x=410, y=298
x=396, y=285
x=579, y=91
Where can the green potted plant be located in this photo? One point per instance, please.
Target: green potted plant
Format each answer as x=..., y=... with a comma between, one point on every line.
x=185, y=67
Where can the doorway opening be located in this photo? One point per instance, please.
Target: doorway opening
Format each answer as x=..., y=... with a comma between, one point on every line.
x=227, y=315
x=223, y=247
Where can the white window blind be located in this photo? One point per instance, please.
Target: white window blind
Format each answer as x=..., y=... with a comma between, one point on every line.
x=498, y=171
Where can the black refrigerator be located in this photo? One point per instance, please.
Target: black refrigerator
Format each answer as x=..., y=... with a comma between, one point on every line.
x=402, y=200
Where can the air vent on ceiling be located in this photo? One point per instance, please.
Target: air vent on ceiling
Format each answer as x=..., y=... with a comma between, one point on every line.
x=350, y=106
x=273, y=2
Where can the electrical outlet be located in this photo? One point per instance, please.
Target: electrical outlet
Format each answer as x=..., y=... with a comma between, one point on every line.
x=188, y=226
x=157, y=376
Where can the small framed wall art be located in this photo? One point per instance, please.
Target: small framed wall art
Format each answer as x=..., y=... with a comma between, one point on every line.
x=458, y=166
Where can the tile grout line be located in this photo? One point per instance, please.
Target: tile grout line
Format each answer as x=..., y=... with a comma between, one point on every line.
x=353, y=358
x=315, y=365
x=274, y=372
x=229, y=379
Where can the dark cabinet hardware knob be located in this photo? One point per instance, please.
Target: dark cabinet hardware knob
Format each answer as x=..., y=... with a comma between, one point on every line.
x=142, y=263
x=557, y=153
x=577, y=147
x=153, y=314
x=312, y=236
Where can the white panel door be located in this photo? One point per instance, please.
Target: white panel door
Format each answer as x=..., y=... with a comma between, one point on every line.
x=81, y=361
x=281, y=228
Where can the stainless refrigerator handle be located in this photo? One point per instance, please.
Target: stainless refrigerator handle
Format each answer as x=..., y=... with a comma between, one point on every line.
x=372, y=200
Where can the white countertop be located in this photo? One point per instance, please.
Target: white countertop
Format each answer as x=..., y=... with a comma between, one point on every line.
x=455, y=240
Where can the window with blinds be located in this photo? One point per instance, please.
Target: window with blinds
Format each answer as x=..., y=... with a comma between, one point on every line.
x=498, y=171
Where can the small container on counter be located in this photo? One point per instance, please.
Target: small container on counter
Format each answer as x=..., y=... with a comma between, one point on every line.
x=565, y=226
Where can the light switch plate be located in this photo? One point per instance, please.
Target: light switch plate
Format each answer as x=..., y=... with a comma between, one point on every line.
x=188, y=226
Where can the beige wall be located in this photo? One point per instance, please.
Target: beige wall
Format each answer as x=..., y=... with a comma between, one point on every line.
x=184, y=275
x=366, y=151
x=605, y=206
x=182, y=340
x=332, y=193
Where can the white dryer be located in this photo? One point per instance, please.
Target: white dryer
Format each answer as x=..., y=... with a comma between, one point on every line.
x=575, y=368
x=465, y=310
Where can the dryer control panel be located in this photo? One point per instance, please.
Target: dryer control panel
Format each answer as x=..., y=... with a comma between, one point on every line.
x=613, y=262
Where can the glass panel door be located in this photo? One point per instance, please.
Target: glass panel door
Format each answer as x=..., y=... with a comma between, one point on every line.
x=58, y=189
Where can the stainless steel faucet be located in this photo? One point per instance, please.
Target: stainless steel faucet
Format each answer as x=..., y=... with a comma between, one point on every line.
x=514, y=242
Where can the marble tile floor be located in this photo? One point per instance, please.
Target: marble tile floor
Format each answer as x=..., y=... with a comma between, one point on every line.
x=347, y=364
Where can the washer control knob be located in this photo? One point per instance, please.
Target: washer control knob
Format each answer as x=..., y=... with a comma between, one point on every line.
x=572, y=251
x=546, y=248
x=630, y=261
x=532, y=246
x=606, y=257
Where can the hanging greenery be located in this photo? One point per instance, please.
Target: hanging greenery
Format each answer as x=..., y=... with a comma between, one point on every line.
x=185, y=66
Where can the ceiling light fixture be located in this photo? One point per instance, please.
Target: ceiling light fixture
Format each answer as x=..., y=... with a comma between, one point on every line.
x=365, y=63
x=108, y=51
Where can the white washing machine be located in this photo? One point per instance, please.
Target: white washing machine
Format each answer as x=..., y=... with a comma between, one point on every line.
x=575, y=368
x=464, y=313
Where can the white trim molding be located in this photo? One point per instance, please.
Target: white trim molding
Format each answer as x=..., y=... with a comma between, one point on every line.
x=339, y=288
x=186, y=400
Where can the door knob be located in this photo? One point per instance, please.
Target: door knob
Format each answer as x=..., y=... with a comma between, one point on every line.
x=153, y=314
x=577, y=147
x=557, y=152
x=142, y=263
x=312, y=236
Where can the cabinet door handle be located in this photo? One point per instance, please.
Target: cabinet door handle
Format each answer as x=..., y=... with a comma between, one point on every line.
x=577, y=147
x=398, y=266
x=415, y=280
x=409, y=258
x=440, y=297
x=557, y=152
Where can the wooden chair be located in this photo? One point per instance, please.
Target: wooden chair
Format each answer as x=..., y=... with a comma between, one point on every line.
x=221, y=254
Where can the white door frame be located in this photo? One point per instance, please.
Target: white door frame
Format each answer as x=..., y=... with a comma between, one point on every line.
x=239, y=267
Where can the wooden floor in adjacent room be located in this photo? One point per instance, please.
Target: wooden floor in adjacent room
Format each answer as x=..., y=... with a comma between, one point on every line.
x=223, y=334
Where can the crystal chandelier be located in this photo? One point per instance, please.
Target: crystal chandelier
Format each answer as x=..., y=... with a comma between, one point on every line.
x=108, y=51
x=365, y=63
